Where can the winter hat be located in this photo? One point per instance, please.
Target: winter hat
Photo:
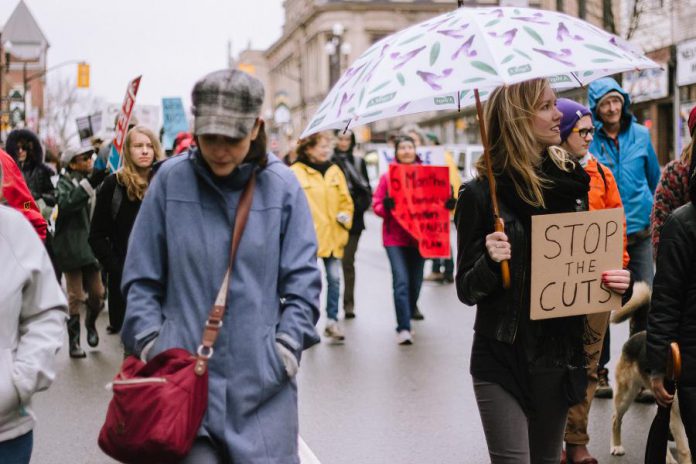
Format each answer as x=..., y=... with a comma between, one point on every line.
x=572, y=112
x=612, y=93
x=692, y=120
x=71, y=153
x=226, y=102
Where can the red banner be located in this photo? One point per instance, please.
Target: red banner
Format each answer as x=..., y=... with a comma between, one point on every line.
x=419, y=194
x=124, y=117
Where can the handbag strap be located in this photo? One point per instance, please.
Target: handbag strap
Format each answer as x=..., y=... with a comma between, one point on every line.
x=214, y=322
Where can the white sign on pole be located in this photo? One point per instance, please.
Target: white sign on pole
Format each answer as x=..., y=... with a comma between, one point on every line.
x=646, y=85
x=686, y=63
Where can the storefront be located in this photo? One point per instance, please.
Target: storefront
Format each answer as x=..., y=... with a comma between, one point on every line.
x=686, y=80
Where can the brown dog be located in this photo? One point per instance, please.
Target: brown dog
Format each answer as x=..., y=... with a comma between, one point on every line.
x=632, y=375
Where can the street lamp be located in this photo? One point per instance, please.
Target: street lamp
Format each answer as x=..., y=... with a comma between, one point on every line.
x=336, y=48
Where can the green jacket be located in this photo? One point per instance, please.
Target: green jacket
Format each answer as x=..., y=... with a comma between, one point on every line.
x=75, y=199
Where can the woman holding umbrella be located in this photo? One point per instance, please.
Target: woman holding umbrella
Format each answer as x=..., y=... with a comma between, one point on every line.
x=526, y=373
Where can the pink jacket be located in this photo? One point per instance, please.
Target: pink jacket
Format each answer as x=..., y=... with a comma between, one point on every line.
x=392, y=232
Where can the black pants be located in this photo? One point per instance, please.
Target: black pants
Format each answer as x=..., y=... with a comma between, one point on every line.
x=687, y=405
x=117, y=305
x=348, y=263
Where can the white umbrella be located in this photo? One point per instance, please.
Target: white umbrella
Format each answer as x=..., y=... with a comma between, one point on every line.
x=437, y=64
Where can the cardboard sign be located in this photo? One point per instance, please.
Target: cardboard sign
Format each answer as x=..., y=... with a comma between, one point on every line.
x=419, y=194
x=122, y=124
x=174, y=120
x=433, y=155
x=569, y=253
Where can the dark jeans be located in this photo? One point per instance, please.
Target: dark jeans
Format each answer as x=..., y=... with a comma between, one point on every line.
x=117, y=305
x=407, y=278
x=17, y=450
x=642, y=269
x=513, y=437
x=348, y=264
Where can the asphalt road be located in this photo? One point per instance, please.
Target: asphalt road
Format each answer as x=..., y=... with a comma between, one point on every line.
x=367, y=401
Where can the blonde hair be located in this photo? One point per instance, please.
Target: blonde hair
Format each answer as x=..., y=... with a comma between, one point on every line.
x=128, y=175
x=514, y=149
x=686, y=152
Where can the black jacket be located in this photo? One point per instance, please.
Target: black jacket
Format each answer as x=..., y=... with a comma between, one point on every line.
x=112, y=224
x=355, y=172
x=36, y=174
x=672, y=315
x=478, y=278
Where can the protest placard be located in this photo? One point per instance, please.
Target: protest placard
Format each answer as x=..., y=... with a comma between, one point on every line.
x=122, y=124
x=419, y=194
x=569, y=253
x=174, y=120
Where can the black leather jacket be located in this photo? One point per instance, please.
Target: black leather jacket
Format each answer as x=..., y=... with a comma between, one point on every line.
x=478, y=277
x=672, y=315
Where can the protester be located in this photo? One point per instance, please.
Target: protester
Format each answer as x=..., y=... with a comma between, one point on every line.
x=176, y=260
x=624, y=146
x=672, y=316
x=33, y=310
x=402, y=248
x=577, y=132
x=355, y=172
x=25, y=148
x=525, y=372
x=118, y=201
x=17, y=195
x=74, y=256
x=673, y=189
x=332, y=213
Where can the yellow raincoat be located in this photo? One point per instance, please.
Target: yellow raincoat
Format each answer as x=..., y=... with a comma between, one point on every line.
x=327, y=196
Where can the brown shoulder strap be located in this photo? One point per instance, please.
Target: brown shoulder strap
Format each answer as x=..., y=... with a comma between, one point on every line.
x=214, y=322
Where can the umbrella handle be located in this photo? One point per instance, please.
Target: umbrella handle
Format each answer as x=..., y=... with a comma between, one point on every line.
x=504, y=265
x=674, y=363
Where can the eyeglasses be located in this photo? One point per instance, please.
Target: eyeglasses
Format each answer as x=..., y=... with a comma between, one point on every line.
x=584, y=132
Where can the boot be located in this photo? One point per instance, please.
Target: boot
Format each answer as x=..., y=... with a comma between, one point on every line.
x=90, y=325
x=74, y=337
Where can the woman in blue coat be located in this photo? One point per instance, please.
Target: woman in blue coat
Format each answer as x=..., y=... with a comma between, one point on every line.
x=177, y=257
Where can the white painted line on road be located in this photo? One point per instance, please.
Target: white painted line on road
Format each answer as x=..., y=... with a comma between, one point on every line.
x=306, y=455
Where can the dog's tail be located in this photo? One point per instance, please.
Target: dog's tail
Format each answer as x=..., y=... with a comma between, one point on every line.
x=640, y=298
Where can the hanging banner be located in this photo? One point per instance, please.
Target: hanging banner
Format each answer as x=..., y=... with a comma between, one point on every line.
x=419, y=194
x=122, y=124
x=569, y=253
x=174, y=120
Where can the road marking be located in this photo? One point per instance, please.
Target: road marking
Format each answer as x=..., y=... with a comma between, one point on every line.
x=306, y=454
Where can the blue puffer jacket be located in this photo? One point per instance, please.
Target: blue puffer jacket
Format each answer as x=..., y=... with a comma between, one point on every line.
x=177, y=256
x=634, y=163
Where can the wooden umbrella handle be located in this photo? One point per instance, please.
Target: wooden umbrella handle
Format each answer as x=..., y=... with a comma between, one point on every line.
x=674, y=363
x=504, y=265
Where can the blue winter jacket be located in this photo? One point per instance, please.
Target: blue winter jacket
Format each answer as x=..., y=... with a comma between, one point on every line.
x=634, y=164
x=177, y=256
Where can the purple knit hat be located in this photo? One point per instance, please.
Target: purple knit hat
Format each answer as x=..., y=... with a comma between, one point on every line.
x=572, y=112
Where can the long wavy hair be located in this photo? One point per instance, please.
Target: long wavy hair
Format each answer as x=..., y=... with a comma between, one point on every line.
x=514, y=149
x=128, y=175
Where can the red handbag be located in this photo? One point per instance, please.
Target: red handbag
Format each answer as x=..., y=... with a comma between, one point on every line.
x=158, y=406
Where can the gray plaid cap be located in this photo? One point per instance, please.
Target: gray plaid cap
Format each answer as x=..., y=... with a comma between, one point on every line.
x=226, y=102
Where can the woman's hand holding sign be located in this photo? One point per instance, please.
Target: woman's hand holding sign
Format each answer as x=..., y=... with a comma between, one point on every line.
x=498, y=246
x=617, y=281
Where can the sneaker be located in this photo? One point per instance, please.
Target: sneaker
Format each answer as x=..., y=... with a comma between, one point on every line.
x=333, y=331
x=448, y=279
x=416, y=315
x=434, y=277
x=645, y=396
x=603, y=388
x=404, y=337
x=350, y=313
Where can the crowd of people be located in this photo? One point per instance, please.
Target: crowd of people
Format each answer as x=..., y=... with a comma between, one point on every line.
x=145, y=242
